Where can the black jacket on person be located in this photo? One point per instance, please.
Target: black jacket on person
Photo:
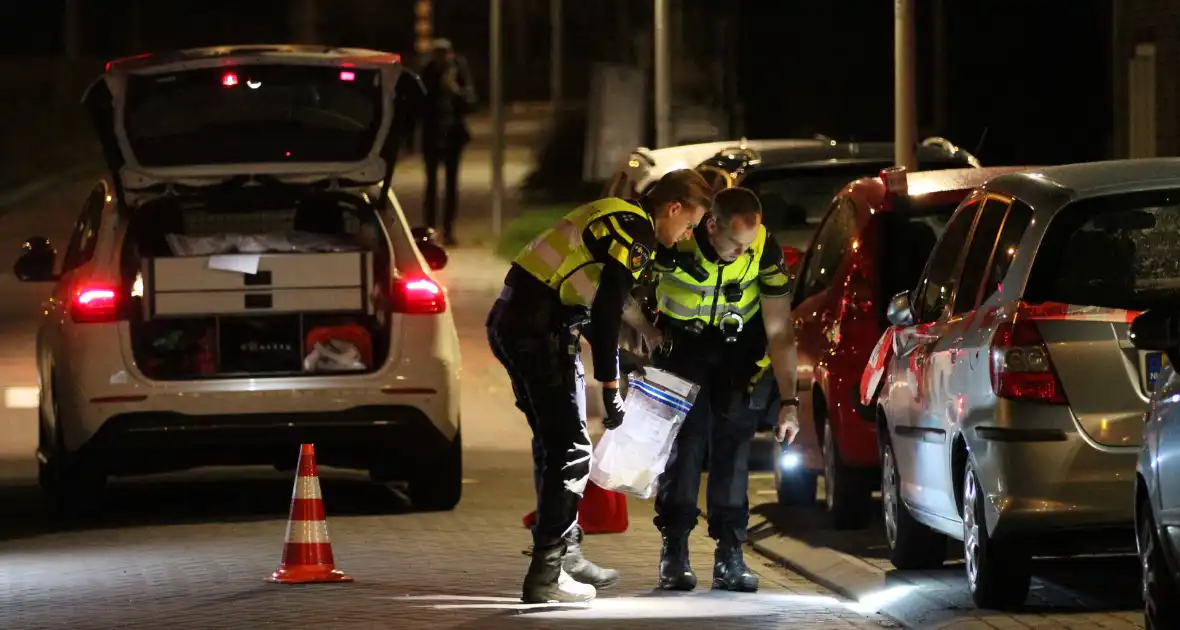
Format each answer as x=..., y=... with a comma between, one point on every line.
x=450, y=97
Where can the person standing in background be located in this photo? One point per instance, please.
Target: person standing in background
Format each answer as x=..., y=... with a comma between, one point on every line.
x=450, y=97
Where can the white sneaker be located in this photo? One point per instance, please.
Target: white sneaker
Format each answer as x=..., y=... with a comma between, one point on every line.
x=565, y=590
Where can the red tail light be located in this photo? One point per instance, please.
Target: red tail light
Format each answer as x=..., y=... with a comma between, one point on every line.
x=95, y=304
x=418, y=296
x=791, y=256
x=1021, y=367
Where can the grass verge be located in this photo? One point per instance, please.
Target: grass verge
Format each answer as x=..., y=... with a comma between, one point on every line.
x=527, y=226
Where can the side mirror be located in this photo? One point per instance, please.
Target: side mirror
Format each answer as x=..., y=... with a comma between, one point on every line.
x=434, y=254
x=900, y=311
x=423, y=234
x=35, y=263
x=1157, y=330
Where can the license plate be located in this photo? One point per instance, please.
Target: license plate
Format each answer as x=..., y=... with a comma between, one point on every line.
x=1154, y=364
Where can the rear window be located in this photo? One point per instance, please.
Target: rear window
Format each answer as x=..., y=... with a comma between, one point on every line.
x=792, y=196
x=1118, y=251
x=256, y=113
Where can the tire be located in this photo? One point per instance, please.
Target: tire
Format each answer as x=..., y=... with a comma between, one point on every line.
x=912, y=545
x=1161, y=596
x=796, y=488
x=439, y=488
x=848, y=490
x=71, y=485
x=998, y=573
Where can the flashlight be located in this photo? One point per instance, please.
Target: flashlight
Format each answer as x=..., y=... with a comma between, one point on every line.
x=788, y=459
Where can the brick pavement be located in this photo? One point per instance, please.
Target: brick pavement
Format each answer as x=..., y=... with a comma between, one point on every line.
x=193, y=554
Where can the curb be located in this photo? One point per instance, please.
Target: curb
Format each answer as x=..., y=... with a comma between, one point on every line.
x=846, y=575
x=841, y=573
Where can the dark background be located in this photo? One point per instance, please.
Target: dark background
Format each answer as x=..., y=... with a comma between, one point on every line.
x=1035, y=75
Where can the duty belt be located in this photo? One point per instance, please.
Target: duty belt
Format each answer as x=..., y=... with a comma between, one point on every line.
x=564, y=316
x=729, y=324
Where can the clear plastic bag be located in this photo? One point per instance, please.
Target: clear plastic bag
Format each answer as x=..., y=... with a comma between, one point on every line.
x=631, y=458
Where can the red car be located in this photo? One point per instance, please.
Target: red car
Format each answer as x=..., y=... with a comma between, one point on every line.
x=872, y=243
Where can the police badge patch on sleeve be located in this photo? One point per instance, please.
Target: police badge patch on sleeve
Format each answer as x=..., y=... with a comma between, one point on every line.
x=639, y=256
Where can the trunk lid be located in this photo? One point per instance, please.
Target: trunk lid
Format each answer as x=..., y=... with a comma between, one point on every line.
x=295, y=114
x=1105, y=379
x=1102, y=260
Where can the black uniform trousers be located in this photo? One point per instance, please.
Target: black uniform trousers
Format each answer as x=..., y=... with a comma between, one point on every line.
x=538, y=345
x=717, y=426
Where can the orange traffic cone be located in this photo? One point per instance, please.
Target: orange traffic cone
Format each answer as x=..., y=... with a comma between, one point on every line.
x=307, y=550
x=599, y=512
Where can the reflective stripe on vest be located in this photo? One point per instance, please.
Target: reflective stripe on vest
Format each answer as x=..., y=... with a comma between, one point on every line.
x=559, y=258
x=680, y=296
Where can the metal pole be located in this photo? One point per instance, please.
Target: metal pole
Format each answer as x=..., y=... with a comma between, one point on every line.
x=555, y=54
x=663, y=78
x=941, y=111
x=496, y=90
x=305, y=19
x=905, y=119
x=72, y=29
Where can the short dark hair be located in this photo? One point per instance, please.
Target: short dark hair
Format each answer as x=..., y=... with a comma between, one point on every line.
x=732, y=203
x=682, y=185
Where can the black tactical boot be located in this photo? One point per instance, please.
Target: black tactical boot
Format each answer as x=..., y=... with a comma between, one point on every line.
x=675, y=572
x=582, y=569
x=548, y=582
x=730, y=572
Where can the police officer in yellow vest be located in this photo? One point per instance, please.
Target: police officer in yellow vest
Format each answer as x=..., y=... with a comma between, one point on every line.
x=723, y=304
x=574, y=279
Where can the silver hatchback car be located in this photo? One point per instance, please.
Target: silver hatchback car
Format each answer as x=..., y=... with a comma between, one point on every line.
x=1011, y=409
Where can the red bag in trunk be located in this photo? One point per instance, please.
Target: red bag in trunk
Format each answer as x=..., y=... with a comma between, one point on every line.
x=352, y=333
x=599, y=512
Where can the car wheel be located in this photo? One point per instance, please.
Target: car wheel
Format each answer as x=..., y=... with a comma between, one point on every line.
x=439, y=487
x=848, y=490
x=998, y=574
x=1161, y=596
x=70, y=484
x=912, y=545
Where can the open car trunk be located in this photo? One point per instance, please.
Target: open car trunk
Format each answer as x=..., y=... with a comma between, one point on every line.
x=257, y=284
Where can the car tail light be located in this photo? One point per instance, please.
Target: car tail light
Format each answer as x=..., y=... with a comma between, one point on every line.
x=1021, y=367
x=229, y=79
x=791, y=256
x=418, y=296
x=95, y=304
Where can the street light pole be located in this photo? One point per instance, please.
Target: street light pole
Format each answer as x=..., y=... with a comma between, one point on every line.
x=496, y=96
x=663, y=78
x=555, y=55
x=305, y=18
x=72, y=28
x=905, y=116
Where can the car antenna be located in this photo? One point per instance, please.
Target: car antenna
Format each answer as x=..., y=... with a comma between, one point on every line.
x=979, y=145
